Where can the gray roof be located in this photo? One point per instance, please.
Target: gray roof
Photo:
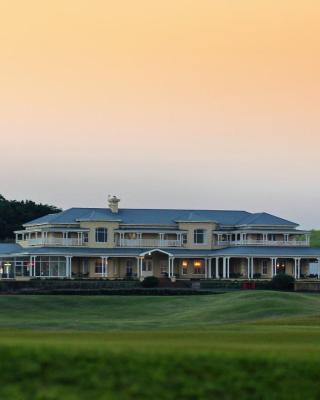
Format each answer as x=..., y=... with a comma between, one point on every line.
x=131, y=216
x=241, y=251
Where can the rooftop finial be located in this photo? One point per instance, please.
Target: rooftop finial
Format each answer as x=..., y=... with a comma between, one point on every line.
x=113, y=203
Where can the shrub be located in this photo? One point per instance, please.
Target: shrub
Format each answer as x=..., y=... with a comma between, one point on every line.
x=282, y=282
x=150, y=282
x=235, y=275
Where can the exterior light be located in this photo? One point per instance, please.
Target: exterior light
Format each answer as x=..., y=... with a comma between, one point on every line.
x=197, y=263
x=184, y=263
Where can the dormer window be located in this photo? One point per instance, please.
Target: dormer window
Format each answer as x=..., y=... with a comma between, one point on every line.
x=199, y=236
x=101, y=235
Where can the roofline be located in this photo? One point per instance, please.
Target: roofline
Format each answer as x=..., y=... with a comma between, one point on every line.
x=211, y=221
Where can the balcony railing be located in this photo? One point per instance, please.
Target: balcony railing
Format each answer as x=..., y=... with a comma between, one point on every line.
x=252, y=242
x=148, y=243
x=56, y=242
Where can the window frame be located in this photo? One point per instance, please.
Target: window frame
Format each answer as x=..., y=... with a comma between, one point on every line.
x=199, y=232
x=104, y=232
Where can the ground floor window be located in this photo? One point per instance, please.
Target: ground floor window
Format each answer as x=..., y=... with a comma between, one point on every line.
x=265, y=267
x=147, y=265
x=198, y=267
x=281, y=266
x=129, y=267
x=184, y=267
x=50, y=267
x=98, y=268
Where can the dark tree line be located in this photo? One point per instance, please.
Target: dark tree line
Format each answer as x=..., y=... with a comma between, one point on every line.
x=13, y=214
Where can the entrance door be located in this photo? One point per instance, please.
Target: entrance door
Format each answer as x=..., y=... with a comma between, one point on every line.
x=147, y=268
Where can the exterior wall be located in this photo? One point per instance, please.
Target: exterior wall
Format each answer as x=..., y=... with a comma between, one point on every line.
x=111, y=226
x=189, y=227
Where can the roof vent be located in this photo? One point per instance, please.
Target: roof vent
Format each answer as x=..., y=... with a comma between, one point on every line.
x=113, y=204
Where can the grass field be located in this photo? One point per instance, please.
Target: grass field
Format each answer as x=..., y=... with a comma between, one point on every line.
x=239, y=345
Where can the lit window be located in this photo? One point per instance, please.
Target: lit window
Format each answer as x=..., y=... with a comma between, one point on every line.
x=101, y=235
x=184, y=267
x=198, y=267
x=199, y=236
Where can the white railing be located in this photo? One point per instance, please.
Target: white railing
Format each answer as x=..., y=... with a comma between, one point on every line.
x=148, y=243
x=251, y=242
x=56, y=242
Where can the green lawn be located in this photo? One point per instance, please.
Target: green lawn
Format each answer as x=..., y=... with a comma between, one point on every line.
x=239, y=345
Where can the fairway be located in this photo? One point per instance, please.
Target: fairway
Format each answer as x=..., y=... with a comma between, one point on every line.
x=242, y=345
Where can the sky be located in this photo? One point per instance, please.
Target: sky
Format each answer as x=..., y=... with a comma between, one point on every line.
x=207, y=104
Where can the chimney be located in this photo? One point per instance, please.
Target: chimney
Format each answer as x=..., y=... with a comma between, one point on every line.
x=113, y=204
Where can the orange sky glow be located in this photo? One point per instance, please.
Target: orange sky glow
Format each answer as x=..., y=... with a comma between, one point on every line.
x=184, y=104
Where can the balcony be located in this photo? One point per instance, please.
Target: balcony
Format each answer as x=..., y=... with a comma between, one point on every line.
x=152, y=243
x=73, y=242
x=251, y=242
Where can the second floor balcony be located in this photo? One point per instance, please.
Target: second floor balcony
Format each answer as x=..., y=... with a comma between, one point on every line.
x=56, y=241
x=146, y=239
x=67, y=238
x=257, y=242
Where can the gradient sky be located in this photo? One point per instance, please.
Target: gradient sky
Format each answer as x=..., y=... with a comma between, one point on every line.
x=172, y=103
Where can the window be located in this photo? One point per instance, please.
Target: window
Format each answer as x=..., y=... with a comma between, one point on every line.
x=147, y=265
x=98, y=267
x=184, y=238
x=199, y=236
x=85, y=237
x=184, y=267
x=198, y=267
x=264, y=267
x=101, y=235
x=129, y=267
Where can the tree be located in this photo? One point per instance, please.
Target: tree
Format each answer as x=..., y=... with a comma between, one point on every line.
x=13, y=214
x=315, y=238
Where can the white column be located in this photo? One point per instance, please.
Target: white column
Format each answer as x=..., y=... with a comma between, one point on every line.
x=209, y=268
x=30, y=266
x=318, y=269
x=140, y=239
x=138, y=267
x=169, y=267
x=217, y=267
x=272, y=267
x=249, y=267
x=228, y=267
x=205, y=268
x=224, y=269
x=106, y=267
x=252, y=267
x=297, y=266
x=141, y=262
x=161, y=239
x=68, y=266
x=102, y=265
x=172, y=266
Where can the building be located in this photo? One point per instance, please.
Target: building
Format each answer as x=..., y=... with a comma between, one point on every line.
x=134, y=243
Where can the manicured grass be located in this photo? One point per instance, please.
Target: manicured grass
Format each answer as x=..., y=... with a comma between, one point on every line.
x=150, y=312
x=240, y=345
